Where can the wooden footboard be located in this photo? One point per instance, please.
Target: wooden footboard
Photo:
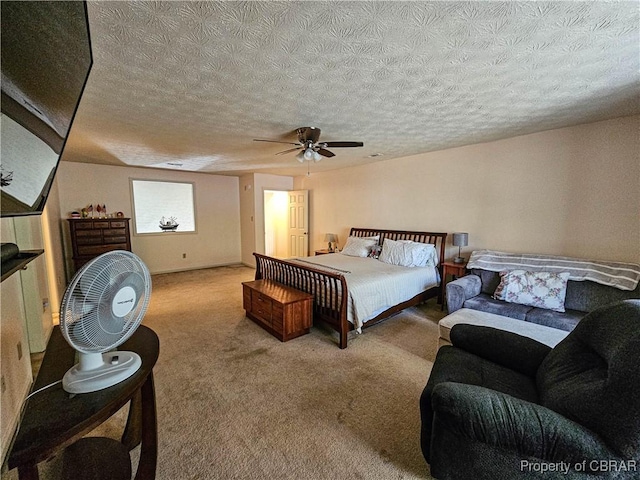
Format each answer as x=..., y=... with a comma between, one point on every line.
x=329, y=305
x=330, y=289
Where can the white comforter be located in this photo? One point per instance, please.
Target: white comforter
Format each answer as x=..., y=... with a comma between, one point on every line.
x=374, y=286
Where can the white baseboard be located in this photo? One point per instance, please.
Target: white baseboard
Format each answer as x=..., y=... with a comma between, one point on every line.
x=201, y=267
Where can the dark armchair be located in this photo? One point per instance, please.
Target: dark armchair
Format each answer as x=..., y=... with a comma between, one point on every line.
x=501, y=406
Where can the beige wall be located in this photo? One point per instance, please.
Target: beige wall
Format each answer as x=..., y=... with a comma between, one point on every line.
x=572, y=191
x=252, y=187
x=217, y=240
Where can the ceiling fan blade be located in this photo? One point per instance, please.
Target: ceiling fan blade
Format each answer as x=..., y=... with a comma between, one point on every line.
x=274, y=141
x=290, y=150
x=343, y=144
x=325, y=153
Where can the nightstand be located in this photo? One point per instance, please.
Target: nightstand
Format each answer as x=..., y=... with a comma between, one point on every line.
x=456, y=270
x=323, y=252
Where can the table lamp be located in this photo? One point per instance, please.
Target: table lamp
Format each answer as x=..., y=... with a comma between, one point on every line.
x=460, y=240
x=330, y=238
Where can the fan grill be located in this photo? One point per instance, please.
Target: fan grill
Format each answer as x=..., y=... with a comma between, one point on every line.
x=105, y=302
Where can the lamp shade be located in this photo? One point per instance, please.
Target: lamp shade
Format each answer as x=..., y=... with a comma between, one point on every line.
x=460, y=239
x=330, y=237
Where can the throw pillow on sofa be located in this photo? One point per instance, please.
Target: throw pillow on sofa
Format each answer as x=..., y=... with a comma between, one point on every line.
x=536, y=289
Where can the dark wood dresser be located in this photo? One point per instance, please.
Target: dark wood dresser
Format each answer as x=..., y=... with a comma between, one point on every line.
x=91, y=237
x=283, y=311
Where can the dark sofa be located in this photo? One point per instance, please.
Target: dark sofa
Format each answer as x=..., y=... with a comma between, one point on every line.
x=500, y=406
x=476, y=289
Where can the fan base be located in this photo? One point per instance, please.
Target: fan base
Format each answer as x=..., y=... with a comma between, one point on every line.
x=116, y=366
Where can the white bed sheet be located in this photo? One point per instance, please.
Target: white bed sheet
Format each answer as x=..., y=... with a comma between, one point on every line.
x=374, y=286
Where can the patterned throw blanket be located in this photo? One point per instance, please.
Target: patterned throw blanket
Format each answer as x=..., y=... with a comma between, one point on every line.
x=624, y=276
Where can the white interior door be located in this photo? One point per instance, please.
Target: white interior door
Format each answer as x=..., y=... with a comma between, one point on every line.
x=298, y=223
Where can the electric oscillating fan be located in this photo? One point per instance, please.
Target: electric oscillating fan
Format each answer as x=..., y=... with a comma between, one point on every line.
x=102, y=307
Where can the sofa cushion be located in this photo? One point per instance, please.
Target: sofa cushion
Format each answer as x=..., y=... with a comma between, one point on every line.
x=490, y=280
x=564, y=321
x=586, y=296
x=485, y=303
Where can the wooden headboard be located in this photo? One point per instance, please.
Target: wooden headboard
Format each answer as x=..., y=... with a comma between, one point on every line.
x=437, y=239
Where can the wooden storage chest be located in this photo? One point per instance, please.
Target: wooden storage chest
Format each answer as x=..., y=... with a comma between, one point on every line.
x=283, y=311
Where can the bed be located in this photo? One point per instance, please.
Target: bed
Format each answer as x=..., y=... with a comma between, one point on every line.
x=326, y=280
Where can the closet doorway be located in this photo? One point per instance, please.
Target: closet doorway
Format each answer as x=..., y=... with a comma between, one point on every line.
x=286, y=223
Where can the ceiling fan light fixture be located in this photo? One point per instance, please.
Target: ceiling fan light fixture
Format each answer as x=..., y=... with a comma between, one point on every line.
x=308, y=147
x=308, y=154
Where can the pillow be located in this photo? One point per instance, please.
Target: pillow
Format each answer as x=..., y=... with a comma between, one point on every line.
x=359, y=246
x=536, y=289
x=406, y=253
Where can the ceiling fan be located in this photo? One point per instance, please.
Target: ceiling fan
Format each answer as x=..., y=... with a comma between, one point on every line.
x=309, y=146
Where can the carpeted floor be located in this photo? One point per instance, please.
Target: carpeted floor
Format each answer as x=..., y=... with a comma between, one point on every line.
x=236, y=403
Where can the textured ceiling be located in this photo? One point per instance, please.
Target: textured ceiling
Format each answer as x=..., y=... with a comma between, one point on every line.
x=189, y=85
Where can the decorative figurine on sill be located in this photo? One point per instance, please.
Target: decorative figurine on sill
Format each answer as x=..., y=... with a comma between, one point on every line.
x=170, y=225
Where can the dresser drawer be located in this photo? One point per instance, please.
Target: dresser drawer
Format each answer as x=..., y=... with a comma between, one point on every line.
x=114, y=231
x=89, y=240
x=99, y=249
x=118, y=224
x=104, y=224
x=88, y=233
x=83, y=225
x=109, y=240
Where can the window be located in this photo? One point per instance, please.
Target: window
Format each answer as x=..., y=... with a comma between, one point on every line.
x=166, y=203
